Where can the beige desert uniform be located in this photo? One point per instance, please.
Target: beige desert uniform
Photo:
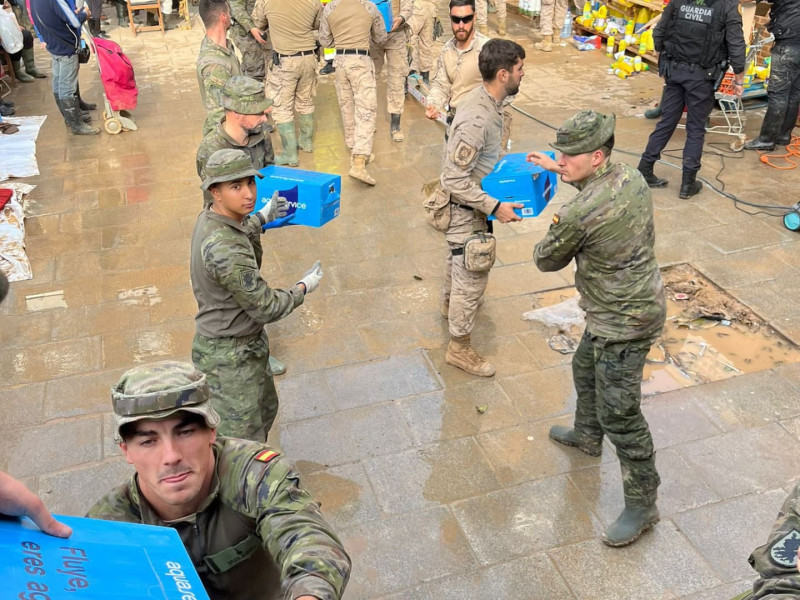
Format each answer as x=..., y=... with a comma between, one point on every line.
x=393, y=52
x=472, y=152
x=482, y=15
x=421, y=29
x=552, y=16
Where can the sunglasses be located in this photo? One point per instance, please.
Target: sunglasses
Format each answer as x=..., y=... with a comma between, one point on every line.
x=466, y=19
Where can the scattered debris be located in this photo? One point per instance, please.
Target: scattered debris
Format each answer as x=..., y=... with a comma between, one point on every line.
x=482, y=409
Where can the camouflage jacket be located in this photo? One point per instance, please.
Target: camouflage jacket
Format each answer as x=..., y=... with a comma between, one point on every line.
x=608, y=229
x=258, y=535
x=241, y=11
x=776, y=561
x=233, y=300
x=258, y=147
x=215, y=65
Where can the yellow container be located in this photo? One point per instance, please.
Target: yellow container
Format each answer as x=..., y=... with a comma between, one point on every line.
x=610, y=46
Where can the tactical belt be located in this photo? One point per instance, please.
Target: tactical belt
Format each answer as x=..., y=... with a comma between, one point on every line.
x=302, y=53
x=226, y=559
x=457, y=251
x=461, y=206
x=353, y=51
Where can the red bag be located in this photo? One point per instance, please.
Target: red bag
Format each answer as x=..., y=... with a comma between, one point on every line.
x=116, y=71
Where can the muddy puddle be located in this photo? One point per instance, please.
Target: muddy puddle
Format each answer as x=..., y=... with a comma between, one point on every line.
x=708, y=336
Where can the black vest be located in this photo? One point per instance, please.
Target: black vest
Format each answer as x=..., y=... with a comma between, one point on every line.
x=696, y=33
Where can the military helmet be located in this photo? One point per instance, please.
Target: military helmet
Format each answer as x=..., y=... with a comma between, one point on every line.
x=584, y=132
x=244, y=95
x=228, y=165
x=158, y=391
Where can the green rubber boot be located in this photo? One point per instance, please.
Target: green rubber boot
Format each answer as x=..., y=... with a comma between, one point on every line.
x=568, y=437
x=30, y=66
x=306, y=139
x=653, y=113
x=631, y=523
x=289, y=142
x=19, y=73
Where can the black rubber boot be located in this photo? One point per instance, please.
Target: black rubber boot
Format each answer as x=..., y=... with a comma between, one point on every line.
x=85, y=106
x=759, y=144
x=631, y=523
x=568, y=437
x=653, y=181
x=6, y=110
x=394, y=130
x=7, y=103
x=94, y=28
x=689, y=185
x=426, y=77
x=85, y=116
x=72, y=113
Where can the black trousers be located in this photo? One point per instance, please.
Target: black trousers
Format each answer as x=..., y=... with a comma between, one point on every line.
x=690, y=87
x=96, y=6
x=783, y=97
x=27, y=42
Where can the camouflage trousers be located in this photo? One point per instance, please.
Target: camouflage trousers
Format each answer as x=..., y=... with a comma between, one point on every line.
x=292, y=86
x=482, y=14
x=358, y=101
x=552, y=16
x=608, y=380
x=240, y=383
x=254, y=55
x=393, y=52
x=421, y=27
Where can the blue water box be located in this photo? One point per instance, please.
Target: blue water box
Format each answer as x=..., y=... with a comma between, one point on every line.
x=315, y=196
x=102, y=560
x=513, y=179
x=385, y=8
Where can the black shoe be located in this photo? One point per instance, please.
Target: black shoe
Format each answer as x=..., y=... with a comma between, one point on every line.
x=328, y=68
x=7, y=103
x=6, y=111
x=653, y=181
x=759, y=144
x=689, y=185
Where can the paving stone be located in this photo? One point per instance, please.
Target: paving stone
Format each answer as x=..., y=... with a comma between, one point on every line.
x=525, y=519
x=661, y=564
x=43, y=362
x=303, y=396
x=771, y=460
x=80, y=395
x=21, y=406
x=726, y=539
x=722, y=592
x=381, y=380
x=435, y=474
x=742, y=268
x=755, y=235
x=74, y=492
x=322, y=350
x=673, y=419
x=25, y=330
x=344, y=494
x=160, y=342
x=542, y=394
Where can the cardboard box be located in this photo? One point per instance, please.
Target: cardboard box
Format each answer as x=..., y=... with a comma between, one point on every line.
x=385, y=8
x=315, y=196
x=513, y=179
x=103, y=560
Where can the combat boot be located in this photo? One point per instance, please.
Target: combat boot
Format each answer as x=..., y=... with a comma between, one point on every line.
x=631, y=523
x=30, y=66
x=85, y=106
x=546, y=45
x=72, y=113
x=501, y=26
x=289, y=142
x=653, y=181
x=396, y=133
x=689, y=185
x=653, y=113
x=19, y=73
x=461, y=354
x=306, y=139
x=568, y=437
x=358, y=169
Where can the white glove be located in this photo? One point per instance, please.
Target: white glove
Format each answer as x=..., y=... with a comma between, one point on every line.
x=276, y=207
x=312, y=277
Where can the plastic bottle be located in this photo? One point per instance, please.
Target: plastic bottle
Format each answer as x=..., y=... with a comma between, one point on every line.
x=642, y=18
x=642, y=44
x=566, y=30
x=610, y=46
x=629, y=28
x=637, y=64
x=602, y=15
x=622, y=45
x=620, y=73
x=587, y=10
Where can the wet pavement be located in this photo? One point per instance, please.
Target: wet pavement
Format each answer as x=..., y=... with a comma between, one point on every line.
x=432, y=498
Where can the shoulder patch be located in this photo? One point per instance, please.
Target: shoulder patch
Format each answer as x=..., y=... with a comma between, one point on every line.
x=464, y=153
x=248, y=278
x=266, y=456
x=556, y=219
x=784, y=551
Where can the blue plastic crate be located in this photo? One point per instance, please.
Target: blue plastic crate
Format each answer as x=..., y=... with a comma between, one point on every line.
x=513, y=179
x=315, y=196
x=385, y=8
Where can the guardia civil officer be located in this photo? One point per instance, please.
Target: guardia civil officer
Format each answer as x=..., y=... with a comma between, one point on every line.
x=251, y=531
x=608, y=229
x=234, y=302
x=697, y=40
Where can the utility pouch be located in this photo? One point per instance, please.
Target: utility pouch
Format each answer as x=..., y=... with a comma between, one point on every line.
x=480, y=252
x=83, y=52
x=276, y=59
x=436, y=205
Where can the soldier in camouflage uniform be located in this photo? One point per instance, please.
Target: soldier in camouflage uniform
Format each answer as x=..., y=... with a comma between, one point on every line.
x=216, y=62
x=350, y=26
x=250, y=530
x=608, y=229
x=234, y=302
x=482, y=16
x=776, y=561
x=394, y=53
x=472, y=152
x=252, y=41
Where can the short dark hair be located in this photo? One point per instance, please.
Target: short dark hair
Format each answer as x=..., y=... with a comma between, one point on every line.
x=499, y=54
x=127, y=431
x=210, y=11
x=608, y=146
x=470, y=3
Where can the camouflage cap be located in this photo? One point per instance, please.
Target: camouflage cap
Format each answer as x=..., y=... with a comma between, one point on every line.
x=244, y=95
x=585, y=132
x=228, y=165
x=158, y=391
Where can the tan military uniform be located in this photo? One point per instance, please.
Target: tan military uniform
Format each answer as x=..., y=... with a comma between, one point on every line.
x=472, y=151
x=552, y=16
x=393, y=52
x=457, y=73
x=215, y=65
x=421, y=28
x=482, y=15
x=350, y=26
x=292, y=84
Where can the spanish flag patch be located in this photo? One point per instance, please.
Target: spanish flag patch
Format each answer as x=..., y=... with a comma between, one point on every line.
x=266, y=455
x=556, y=219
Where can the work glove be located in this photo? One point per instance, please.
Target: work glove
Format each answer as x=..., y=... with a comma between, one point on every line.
x=312, y=277
x=276, y=208
x=438, y=30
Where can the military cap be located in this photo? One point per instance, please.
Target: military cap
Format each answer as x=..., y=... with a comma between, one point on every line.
x=158, y=391
x=244, y=95
x=228, y=165
x=585, y=132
